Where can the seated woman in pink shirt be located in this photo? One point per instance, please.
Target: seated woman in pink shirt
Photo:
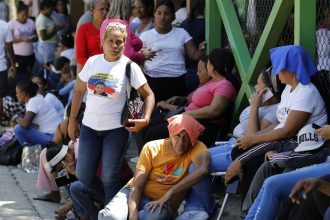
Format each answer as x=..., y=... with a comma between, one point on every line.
x=208, y=103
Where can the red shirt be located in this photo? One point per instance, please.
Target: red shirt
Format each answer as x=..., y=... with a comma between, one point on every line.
x=87, y=43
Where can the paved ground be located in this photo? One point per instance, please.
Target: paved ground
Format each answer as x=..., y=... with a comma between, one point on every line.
x=17, y=189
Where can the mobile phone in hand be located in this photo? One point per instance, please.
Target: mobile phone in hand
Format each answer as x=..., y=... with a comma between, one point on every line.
x=267, y=94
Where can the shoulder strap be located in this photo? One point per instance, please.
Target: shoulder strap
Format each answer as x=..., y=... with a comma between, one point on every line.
x=128, y=71
x=128, y=77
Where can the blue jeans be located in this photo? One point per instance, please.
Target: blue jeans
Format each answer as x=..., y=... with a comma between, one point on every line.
x=83, y=200
x=46, y=52
x=200, y=197
x=79, y=210
x=118, y=209
x=278, y=187
x=107, y=146
x=31, y=135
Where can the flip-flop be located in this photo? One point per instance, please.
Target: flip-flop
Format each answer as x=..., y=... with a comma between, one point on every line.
x=46, y=197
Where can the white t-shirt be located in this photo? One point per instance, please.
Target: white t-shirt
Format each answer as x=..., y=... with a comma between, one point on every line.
x=6, y=36
x=68, y=53
x=46, y=116
x=53, y=101
x=304, y=98
x=46, y=23
x=169, y=61
x=106, y=90
x=20, y=30
x=265, y=112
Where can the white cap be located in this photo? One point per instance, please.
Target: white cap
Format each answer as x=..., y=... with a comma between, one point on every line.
x=58, y=157
x=308, y=140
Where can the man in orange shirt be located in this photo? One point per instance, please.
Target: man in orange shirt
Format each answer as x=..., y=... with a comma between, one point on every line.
x=161, y=179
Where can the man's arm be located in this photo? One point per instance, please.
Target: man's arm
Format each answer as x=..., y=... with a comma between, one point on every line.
x=202, y=164
x=140, y=179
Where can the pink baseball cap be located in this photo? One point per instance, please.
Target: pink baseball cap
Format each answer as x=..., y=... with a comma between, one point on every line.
x=107, y=21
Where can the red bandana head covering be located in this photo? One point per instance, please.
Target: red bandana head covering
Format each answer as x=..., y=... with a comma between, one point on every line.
x=185, y=122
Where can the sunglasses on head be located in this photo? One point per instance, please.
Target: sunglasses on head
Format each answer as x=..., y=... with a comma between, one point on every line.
x=117, y=26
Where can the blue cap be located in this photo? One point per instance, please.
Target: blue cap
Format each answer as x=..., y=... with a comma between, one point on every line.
x=294, y=59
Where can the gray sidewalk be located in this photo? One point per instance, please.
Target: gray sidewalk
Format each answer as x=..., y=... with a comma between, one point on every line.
x=17, y=188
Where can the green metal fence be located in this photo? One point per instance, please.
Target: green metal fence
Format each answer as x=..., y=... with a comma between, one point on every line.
x=252, y=27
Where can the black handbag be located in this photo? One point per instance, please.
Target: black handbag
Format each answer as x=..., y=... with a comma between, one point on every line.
x=11, y=153
x=134, y=105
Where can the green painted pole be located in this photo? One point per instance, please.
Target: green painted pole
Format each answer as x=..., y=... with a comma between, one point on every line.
x=305, y=25
x=235, y=35
x=213, y=24
x=269, y=38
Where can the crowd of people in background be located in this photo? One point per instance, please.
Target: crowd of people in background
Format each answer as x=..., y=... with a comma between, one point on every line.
x=63, y=86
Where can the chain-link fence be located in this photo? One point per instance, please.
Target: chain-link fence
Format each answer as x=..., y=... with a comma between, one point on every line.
x=253, y=15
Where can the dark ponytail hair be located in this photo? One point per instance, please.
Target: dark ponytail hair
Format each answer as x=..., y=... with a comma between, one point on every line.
x=80, y=114
x=22, y=7
x=27, y=86
x=223, y=62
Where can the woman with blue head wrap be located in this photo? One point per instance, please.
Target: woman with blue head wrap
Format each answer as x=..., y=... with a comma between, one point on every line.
x=294, y=60
x=301, y=104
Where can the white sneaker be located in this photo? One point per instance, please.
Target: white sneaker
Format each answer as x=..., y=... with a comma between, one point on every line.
x=193, y=215
x=134, y=159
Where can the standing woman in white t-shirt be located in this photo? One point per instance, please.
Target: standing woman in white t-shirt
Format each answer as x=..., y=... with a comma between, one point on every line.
x=40, y=119
x=24, y=32
x=102, y=137
x=47, y=32
x=170, y=44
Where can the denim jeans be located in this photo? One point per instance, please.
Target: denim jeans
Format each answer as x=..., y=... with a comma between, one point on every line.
x=31, y=136
x=83, y=200
x=200, y=197
x=46, y=52
x=108, y=146
x=277, y=187
x=118, y=209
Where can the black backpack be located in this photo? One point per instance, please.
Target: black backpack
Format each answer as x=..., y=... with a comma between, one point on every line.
x=11, y=153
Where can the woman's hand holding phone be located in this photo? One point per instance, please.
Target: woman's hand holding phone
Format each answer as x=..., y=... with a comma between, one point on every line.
x=266, y=94
x=255, y=100
x=149, y=54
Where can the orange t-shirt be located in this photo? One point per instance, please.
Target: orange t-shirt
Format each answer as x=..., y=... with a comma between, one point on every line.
x=165, y=169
